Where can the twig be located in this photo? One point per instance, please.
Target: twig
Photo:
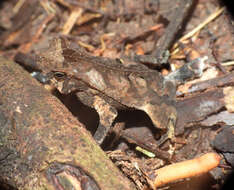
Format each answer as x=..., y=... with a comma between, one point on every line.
x=200, y=26
x=228, y=63
x=75, y=14
x=18, y=5
x=185, y=169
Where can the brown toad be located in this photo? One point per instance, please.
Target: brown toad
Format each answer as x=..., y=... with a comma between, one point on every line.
x=109, y=84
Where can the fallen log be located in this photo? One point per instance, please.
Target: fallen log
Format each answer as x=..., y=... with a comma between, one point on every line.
x=42, y=146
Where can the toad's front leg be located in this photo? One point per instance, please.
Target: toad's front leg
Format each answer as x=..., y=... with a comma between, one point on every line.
x=163, y=114
x=106, y=112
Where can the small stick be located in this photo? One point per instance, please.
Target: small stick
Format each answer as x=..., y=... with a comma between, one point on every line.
x=200, y=26
x=184, y=169
x=228, y=63
x=75, y=14
x=18, y=5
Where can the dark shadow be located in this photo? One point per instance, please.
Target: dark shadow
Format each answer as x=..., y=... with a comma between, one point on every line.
x=229, y=5
x=86, y=115
x=228, y=182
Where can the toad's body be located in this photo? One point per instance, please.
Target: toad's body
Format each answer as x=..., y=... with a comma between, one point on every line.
x=109, y=84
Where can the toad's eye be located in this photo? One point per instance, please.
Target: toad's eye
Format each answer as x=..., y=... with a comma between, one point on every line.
x=59, y=76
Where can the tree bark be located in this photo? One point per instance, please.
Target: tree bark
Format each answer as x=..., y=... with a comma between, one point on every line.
x=42, y=146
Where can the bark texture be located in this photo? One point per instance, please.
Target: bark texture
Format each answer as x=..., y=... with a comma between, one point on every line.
x=42, y=146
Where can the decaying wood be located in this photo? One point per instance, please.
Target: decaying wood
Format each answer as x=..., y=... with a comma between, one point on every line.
x=194, y=110
x=180, y=15
x=42, y=146
x=142, y=136
x=29, y=23
x=205, y=100
x=221, y=81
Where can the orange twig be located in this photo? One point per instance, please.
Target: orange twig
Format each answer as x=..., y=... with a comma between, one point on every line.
x=185, y=169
